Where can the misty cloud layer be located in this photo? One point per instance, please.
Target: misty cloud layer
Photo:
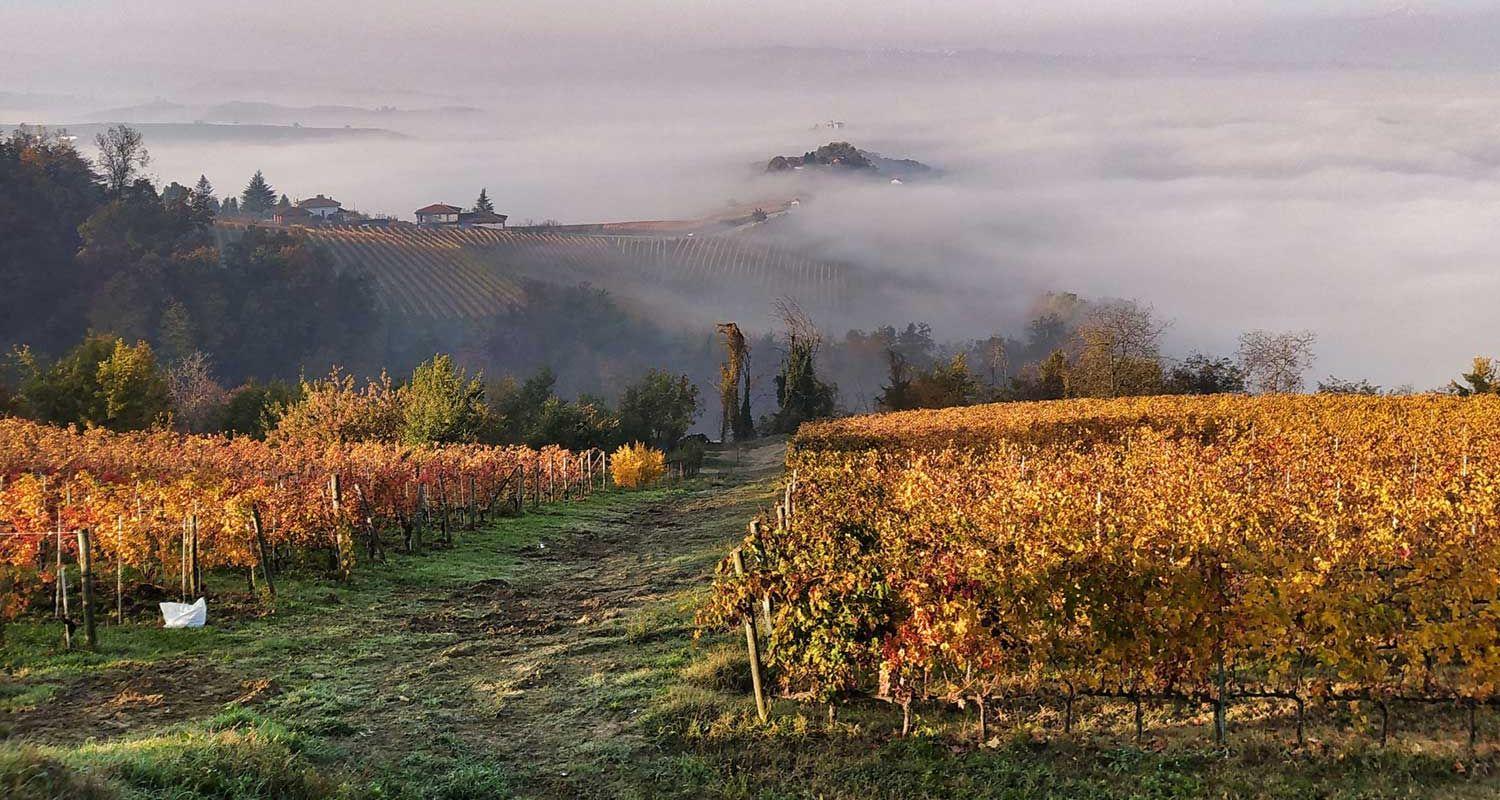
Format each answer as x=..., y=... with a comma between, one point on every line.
x=1244, y=176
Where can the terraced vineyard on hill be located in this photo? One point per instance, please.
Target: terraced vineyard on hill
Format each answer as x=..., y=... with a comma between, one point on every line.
x=474, y=272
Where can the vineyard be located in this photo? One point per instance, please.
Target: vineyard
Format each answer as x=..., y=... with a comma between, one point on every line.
x=475, y=272
x=163, y=509
x=1284, y=548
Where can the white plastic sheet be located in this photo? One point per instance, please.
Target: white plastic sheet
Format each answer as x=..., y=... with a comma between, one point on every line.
x=184, y=615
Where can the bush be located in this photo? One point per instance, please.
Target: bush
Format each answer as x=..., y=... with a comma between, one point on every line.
x=636, y=465
x=689, y=453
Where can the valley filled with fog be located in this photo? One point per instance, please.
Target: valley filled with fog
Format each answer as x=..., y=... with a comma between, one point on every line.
x=1350, y=199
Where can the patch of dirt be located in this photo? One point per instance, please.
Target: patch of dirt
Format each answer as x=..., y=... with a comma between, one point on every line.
x=122, y=700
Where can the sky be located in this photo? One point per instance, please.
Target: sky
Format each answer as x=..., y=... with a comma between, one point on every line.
x=1323, y=164
x=413, y=43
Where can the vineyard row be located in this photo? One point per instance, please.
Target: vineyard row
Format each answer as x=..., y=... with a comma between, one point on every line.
x=168, y=507
x=1309, y=548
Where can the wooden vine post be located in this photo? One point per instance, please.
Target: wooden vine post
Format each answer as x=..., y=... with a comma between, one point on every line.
x=197, y=573
x=86, y=588
x=336, y=496
x=752, y=643
x=183, y=560
x=120, y=570
x=260, y=544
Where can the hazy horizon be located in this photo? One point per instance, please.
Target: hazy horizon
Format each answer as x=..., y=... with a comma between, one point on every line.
x=1324, y=165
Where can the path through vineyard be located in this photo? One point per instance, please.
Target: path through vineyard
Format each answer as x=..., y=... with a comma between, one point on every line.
x=534, y=648
x=554, y=656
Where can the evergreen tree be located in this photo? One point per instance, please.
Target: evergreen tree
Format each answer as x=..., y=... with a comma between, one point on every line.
x=284, y=203
x=746, y=428
x=202, y=201
x=483, y=203
x=174, y=193
x=258, y=197
x=231, y=206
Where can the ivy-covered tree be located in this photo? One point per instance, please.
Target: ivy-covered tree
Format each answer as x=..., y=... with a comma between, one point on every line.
x=736, y=356
x=800, y=394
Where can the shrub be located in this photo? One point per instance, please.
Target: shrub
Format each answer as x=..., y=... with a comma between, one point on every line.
x=636, y=465
x=689, y=453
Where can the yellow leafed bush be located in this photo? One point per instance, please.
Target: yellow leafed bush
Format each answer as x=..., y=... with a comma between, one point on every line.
x=636, y=465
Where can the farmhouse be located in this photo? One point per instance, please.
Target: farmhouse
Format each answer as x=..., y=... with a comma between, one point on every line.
x=322, y=207
x=293, y=215
x=481, y=219
x=438, y=214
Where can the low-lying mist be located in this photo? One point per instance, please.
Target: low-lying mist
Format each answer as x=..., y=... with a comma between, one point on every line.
x=1357, y=204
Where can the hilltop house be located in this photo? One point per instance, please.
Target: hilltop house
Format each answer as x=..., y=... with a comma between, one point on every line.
x=442, y=214
x=322, y=207
x=481, y=219
x=292, y=215
x=438, y=214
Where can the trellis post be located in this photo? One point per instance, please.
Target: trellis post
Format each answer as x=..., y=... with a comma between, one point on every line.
x=752, y=644
x=86, y=587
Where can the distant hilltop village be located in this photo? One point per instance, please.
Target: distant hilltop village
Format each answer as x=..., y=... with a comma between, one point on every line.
x=845, y=157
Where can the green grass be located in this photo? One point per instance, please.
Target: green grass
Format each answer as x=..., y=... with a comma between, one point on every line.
x=505, y=668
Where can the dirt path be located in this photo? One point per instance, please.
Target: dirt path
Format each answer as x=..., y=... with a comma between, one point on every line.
x=531, y=648
x=592, y=630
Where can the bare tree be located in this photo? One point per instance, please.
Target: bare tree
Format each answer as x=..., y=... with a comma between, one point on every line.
x=1121, y=350
x=122, y=152
x=996, y=359
x=797, y=325
x=196, y=396
x=1275, y=362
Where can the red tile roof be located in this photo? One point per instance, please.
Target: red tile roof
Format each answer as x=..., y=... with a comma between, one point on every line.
x=439, y=208
x=319, y=202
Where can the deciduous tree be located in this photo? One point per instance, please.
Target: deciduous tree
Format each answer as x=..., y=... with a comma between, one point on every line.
x=1275, y=362
x=122, y=154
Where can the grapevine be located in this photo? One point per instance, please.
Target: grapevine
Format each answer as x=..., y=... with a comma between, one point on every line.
x=1283, y=546
x=138, y=492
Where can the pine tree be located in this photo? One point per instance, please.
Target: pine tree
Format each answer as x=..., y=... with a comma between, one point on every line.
x=285, y=202
x=258, y=197
x=202, y=201
x=483, y=203
x=231, y=205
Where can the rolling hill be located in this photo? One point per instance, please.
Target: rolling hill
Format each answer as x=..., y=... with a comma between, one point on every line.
x=472, y=273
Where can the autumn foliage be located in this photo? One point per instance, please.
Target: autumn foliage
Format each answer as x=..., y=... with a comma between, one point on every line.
x=134, y=491
x=1194, y=547
x=633, y=466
